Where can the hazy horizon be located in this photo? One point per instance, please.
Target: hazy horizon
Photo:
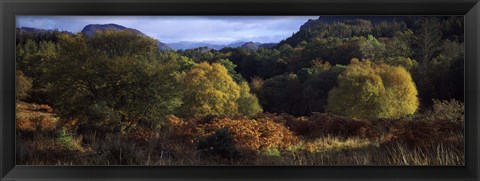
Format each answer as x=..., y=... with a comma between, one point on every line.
x=175, y=29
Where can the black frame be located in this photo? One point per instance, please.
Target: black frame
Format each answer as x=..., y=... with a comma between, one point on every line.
x=9, y=8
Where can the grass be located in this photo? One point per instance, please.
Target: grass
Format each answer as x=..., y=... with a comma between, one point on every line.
x=268, y=139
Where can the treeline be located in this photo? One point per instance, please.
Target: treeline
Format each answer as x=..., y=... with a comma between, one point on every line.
x=119, y=79
x=431, y=49
x=116, y=80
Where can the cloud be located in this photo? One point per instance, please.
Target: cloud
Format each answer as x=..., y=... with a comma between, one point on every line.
x=222, y=29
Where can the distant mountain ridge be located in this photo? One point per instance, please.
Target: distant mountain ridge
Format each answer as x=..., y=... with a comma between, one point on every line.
x=183, y=45
x=38, y=30
x=373, y=19
x=91, y=29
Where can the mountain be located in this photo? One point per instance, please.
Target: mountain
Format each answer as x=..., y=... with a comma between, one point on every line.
x=341, y=26
x=373, y=19
x=39, y=30
x=23, y=34
x=251, y=45
x=91, y=29
x=183, y=45
x=268, y=45
x=31, y=30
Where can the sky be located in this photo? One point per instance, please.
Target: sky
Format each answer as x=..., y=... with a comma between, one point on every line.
x=171, y=29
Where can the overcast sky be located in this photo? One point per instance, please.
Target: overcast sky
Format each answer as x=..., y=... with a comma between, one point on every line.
x=169, y=29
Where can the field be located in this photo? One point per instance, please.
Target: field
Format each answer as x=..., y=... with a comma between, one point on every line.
x=268, y=139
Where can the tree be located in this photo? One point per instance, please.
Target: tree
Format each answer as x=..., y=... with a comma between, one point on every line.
x=428, y=38
x=113, y=86
x=248, y=104
x=209, y=90
x=23, y=85
x=406, y=63
x=231, y=70
x=282, y=94
x=316, y=87
x=370, y=47
x=399, y=45
x=367, y=90
x=443, y=76
x=33, y=59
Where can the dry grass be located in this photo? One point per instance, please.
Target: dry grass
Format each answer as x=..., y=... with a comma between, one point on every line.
x=34, y=118
x=269, y=139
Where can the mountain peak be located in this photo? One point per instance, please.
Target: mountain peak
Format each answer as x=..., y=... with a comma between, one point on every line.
x=90, y=29
x=251, y=45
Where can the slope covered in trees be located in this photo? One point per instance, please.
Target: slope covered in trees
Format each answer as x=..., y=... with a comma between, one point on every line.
x=349, y=72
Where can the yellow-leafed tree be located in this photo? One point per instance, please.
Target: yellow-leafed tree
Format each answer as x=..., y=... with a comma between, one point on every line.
x=209, y=90
x=368, y=90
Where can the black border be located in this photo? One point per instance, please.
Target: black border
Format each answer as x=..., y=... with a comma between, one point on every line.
x=10, y=8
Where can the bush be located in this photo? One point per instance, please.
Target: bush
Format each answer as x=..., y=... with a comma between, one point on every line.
x=367, y=90
x=220, y=144
x=251, y=136
x=451, y=110
x=425, y=133
x=324, y=124
x=178, y=136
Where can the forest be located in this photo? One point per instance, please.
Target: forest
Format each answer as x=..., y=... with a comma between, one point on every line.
x=340, y=91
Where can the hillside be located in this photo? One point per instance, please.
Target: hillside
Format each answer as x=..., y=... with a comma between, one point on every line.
x=356, y=90
x=90, y=30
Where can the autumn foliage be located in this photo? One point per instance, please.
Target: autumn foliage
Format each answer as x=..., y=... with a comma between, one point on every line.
x=116, y=98
x=368, y=90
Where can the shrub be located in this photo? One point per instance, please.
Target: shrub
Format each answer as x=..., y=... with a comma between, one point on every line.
x=220, y=144
x=34, y=118
x=67, y=141
x=325, y=124
x=425, y=133
x=452, y=110
x=251, y=136
x=367, y=90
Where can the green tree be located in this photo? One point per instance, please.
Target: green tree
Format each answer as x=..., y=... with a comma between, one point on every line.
x=428, y=38
x=248, y=104
x=399, y=45
x=231, y=69
x=316, y=87
x=370, y=47
x=282, y=94
x=443, y=76
x=115, y=85
x=33, y=59
x=367, y=90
